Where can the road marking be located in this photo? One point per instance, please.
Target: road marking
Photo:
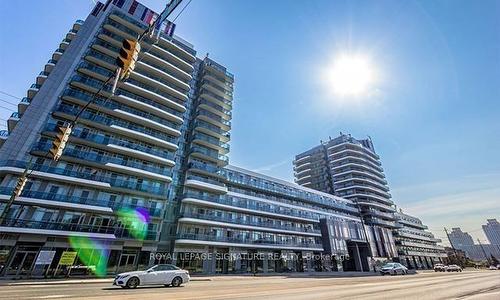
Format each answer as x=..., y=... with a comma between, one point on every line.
x=50, y=297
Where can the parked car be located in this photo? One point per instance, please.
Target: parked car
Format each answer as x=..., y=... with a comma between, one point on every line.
x=493, y=268
x=393, y=269
x=439, y=268
x=160, y=274
x=453, y=268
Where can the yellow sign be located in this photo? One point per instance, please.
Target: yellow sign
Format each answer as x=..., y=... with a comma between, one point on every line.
x=67, y=258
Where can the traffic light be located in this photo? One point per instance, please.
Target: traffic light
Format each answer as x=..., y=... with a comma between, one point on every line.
x=60, y=141
x=128, y=56
x=20, y=185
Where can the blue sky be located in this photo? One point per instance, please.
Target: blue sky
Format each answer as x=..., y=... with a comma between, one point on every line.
x=433, y=115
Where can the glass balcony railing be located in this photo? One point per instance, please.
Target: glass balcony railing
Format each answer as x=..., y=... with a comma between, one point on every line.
x=247, y=240
x=4, y=133
x=211, y=140
x=73, y=227
x=205, y=167
x=213, y=95
x=111, y=104
x=211, y=127
x=218, y=67
x=104, y=159
x=210, y=153
x=254, y=205
x=157, y=188
x=247, y=221
x=204, y=179
x=150, y=102
x=16, y=115
x=52, y=61
x=26, y=100
x=106, y=140
x=215, y=106
x=157, y=91
x=35, y=86
x=217, y=118
x=123, y=233
x=217, y=87
x=44, y=73
x=109, y=121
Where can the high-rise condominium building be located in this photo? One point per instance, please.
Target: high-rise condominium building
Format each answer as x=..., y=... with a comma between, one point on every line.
x=417, y=247
x=145, y=171
x=459, y=238
x=492, y=231
x=350, y=168
x=118, y=185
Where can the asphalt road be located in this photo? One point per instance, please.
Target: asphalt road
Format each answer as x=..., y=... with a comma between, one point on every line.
x=465, y=285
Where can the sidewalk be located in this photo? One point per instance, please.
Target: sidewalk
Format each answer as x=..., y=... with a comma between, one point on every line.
x=55, y=281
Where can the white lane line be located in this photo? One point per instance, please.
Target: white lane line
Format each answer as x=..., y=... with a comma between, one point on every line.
x=51, y=297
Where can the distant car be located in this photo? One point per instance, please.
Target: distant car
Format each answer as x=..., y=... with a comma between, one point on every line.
x=160, y=274
x=493, y=268
x=393, y=269
x=453, y=268
x=439, y=268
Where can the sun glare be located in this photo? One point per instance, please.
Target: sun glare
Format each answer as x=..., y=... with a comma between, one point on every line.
x=351, y=75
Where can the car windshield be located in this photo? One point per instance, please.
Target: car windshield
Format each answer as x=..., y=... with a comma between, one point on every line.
x=390, y=265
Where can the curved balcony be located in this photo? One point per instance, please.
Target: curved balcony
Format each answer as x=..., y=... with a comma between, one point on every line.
x=249, y=224
x=380, y=222
x=342, y=167
x=428, y=237
x=162, y=75
x=213, y=66
x=123, y=111
x=353, y=178
x=122, y=127
x=245, y=242
x=207, y=169
x=155, y=188
x=12, y=121
x=145, y=104
x=114, y=163
x=412, y=224
x=222, y=90
x=352, y=168
x=41, y=77
x=356, y=146
x=376, y=205
x=366, y=195
x=33, y=90
x=362, y=189
x=354, y=159
x=378, y=213
x=208, y=86
x=119, y=145
x=346, y=152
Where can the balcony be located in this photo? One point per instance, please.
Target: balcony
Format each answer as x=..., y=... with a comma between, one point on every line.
x=361, y=189
x=85, y=178
x=376, y=205
x=119, y=145
x=353, y=179
x=206, y=94
x=23, y=105
x=383, y=223
x=114, y=163
x=347, y=151
x=162, y=75
x=4, y=134
x=213, y=119
x=233, y=203
x=59, y=200
x=262, y=226
x=209, y=155
x=206, y=184
x=42, y=76
x=354, y=159
x=245, y=242
x=211, y=142
x=33, y=90
x=212, y=65
x=378, y=213
x=123, y=111
x=12, y=121
x=207, y=169
x=56, y=228
x=214, y=108
x=412, y=224
x=121, y=127
x=212, y=130
x=49, y=66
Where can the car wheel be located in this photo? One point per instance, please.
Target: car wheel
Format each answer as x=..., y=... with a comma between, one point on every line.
x=177, y=281
x=133, y=282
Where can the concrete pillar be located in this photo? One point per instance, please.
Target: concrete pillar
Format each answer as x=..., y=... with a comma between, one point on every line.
x=265, y=263
x=357, y=259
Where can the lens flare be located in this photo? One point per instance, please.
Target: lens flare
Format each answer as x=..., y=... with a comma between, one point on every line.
x=135, y=221
x=92, y=253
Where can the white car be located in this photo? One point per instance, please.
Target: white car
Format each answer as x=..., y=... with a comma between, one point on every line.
x=159, y=274
x=453, y=268
x=393, y=269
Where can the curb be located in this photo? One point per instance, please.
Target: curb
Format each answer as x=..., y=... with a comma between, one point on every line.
x=25, y=283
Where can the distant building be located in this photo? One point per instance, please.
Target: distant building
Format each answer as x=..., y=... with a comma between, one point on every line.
x=458, y=238
x=492, y=231
x=350, y=168
x=417, y=247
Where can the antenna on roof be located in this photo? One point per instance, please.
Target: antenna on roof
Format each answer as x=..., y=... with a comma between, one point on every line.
x=330, y=138
x=207, y=55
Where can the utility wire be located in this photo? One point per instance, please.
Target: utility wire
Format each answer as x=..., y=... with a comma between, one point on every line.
x=10, y=95
x=181, y=11
x=9, y=109
x=8, y=102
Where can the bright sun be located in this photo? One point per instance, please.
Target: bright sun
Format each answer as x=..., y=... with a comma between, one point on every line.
x=351, y=75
